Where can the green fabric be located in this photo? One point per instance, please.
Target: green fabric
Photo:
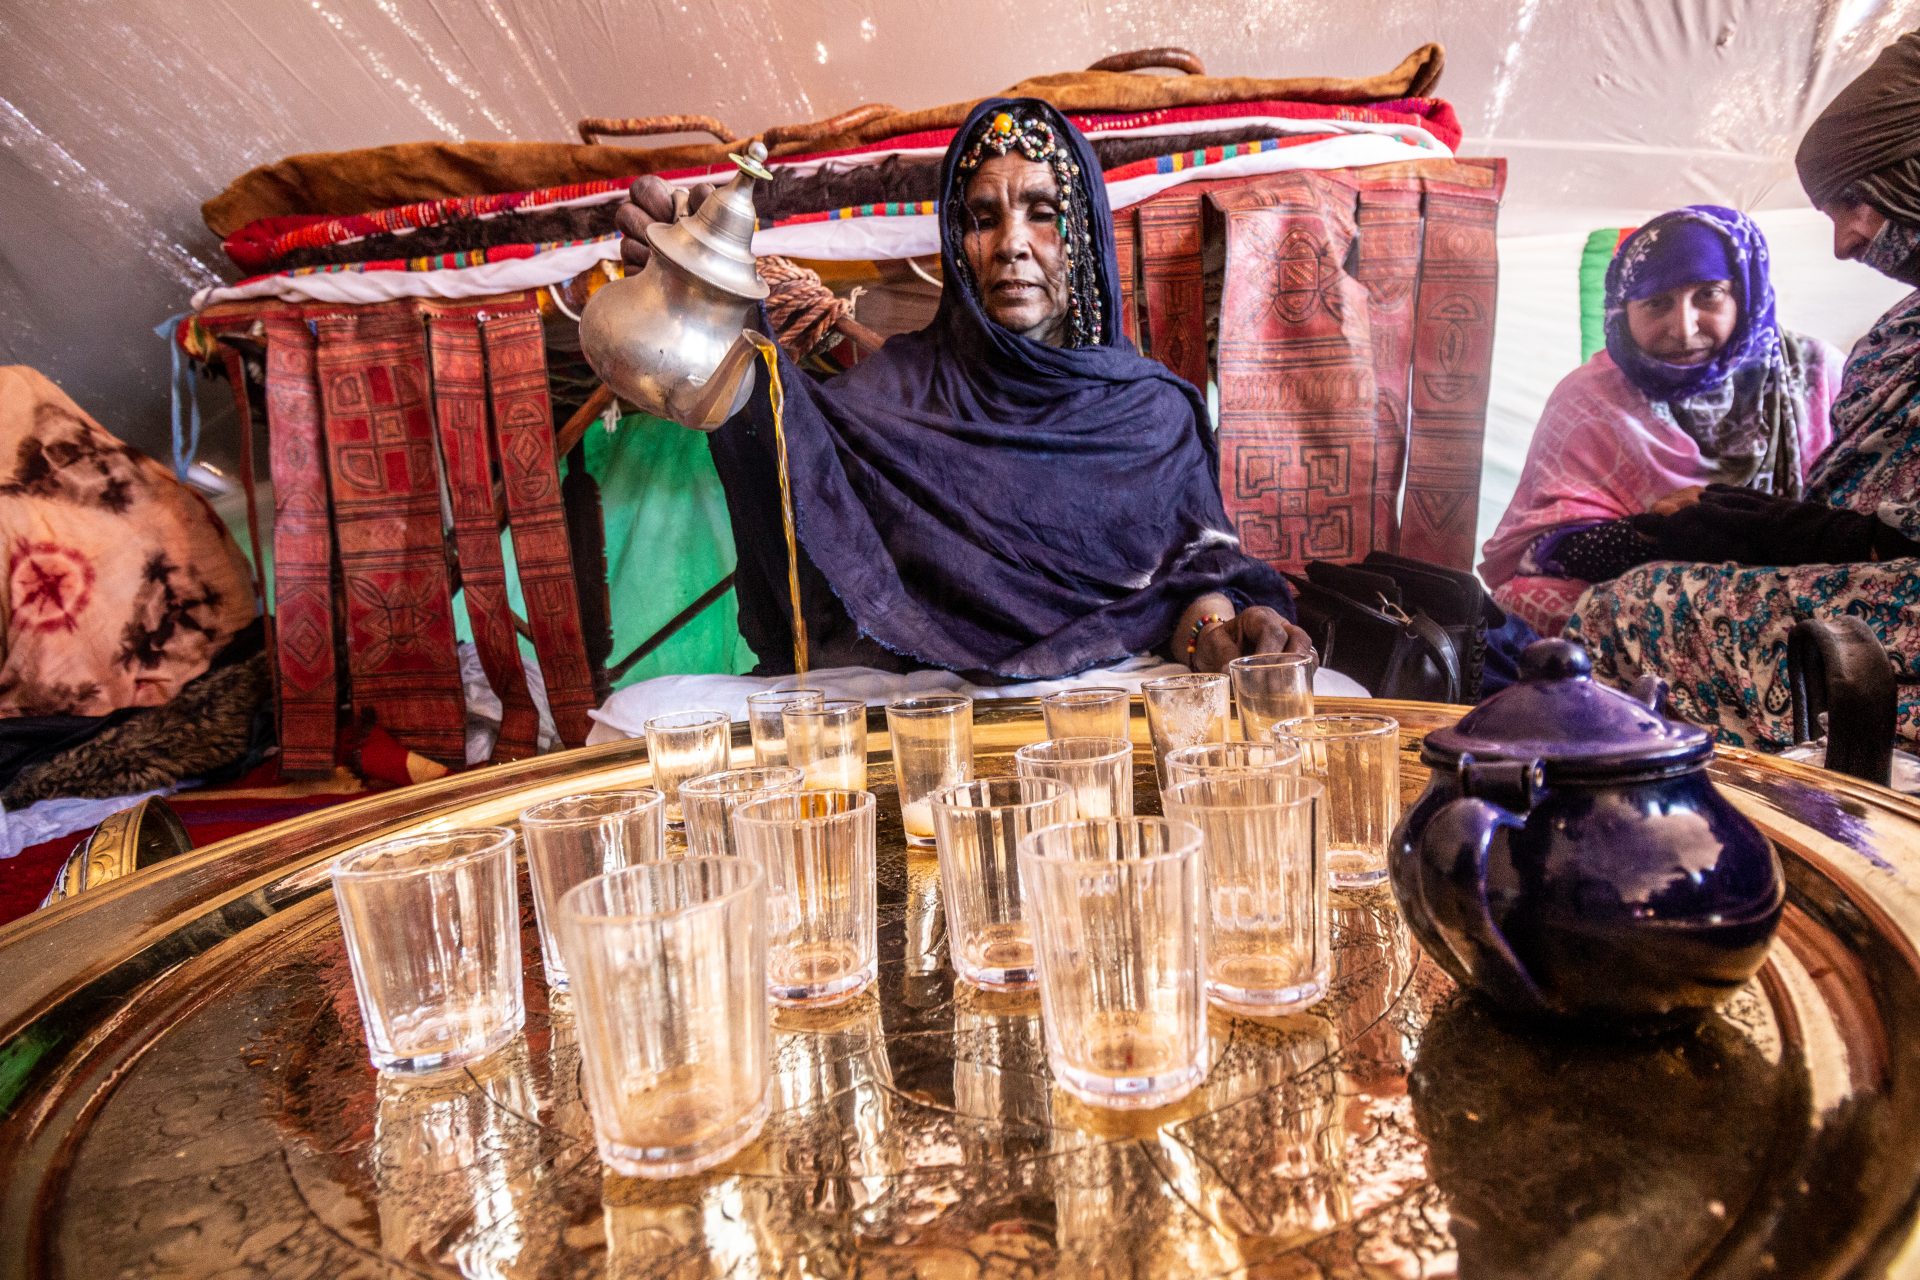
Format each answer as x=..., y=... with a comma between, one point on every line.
x=1594, y=258
x=668, y=540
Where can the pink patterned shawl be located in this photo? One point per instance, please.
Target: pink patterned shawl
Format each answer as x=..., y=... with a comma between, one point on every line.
x=1602, y=453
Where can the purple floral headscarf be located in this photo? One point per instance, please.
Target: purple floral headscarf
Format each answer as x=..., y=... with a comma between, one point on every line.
x=1668, y=251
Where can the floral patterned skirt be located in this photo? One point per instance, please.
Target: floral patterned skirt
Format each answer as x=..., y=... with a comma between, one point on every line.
x=1718, y=635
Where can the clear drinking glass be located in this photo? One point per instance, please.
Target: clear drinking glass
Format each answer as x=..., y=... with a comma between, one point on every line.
x=1097, y=711
x=1232, y=757
x=828, y=743
x=708, y=803
x=576, y=838
x=432, y=926
x=981, y=825
x=932, y=737
x=1120, y=930
x=1264, y=846
x=669, y=962
x=1097, y=772
x=817, y=850
x=686, y=744
x=1269, y=688
x=1184, y=711
x=1358, y=757
x=768, y=729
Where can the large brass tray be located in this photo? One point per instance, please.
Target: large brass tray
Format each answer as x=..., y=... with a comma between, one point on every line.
x=186, y=1093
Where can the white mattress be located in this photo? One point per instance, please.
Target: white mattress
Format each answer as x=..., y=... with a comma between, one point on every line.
x=625, y=713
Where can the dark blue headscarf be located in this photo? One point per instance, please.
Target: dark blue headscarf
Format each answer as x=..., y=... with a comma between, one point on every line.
x=970, y=499
x=1744, y=407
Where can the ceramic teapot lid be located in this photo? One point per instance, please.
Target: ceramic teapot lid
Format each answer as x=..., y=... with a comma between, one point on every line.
x=1559, y=715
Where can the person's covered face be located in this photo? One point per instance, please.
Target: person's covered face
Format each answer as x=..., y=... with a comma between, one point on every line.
x=1688, y=324
x=1013, y=243
x=1855, y=224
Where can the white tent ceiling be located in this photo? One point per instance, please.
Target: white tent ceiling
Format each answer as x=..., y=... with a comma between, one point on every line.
x=117, y=117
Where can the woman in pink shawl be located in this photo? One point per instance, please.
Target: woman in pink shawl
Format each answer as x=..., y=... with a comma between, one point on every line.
x=1697, y=385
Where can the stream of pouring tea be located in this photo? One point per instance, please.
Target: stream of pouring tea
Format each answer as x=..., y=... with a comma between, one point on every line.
x=770, y=355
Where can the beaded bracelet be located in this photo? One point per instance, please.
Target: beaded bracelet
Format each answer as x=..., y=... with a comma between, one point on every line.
x=1200, y=624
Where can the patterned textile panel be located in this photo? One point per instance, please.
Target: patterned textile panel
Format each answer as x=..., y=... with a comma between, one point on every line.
x=1452, y=363
x=1172, y=280
x=1297, y=383
x=1336, y=387
x=523, y=432
x=303, y=636
x=353, y=421
x=372, y=370
x=466, y=451
x=1126, y=252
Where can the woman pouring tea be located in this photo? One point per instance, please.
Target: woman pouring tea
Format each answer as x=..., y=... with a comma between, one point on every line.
x=1013, y=492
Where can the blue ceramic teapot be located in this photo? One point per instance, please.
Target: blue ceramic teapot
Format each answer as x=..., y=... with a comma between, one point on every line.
x=1571, y=860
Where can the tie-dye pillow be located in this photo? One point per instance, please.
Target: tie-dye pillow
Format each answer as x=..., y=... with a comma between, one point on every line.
x=121, y=582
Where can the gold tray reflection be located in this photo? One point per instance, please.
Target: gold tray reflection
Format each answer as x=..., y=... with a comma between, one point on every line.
x=187, y=1093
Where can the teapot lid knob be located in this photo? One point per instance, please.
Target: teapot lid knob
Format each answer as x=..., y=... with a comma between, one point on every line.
x=1555, y=660
x=753, y=162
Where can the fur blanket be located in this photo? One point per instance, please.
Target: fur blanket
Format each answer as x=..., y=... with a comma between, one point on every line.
x=207, y=727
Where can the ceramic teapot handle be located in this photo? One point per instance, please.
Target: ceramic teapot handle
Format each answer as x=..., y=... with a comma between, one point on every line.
x=1456, y=842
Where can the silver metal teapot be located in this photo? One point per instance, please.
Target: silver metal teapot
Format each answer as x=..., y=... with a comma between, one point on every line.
x=671, y=340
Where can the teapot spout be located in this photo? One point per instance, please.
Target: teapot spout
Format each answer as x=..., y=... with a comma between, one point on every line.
x=706, y=406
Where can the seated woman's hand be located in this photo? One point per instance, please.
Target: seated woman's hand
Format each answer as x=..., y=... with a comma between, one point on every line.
x=1254, y=630
x=1679, y=499
x=649, y=201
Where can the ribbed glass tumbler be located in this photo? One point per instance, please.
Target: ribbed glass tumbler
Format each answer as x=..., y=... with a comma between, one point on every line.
x=1092, y=711
x=1184, y=711
x=1269, y=688
x=669, y=969
x=768, y=727
x=708, y=803
x=1120, y=933
x=575, y=838
x=980, y=826
x=817, y=848
x=686, y=744
x=1097, y=772
x=932, y=737
x=432, y=927
x=1264, y=849
x=827, y=741
x=1358, y=758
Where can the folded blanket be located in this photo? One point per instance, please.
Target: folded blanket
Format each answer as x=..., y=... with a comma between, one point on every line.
x=827, y=179
x=379, y=177
x=898, y=179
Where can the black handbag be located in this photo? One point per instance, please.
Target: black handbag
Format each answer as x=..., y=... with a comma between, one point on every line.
x=1401, y=627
